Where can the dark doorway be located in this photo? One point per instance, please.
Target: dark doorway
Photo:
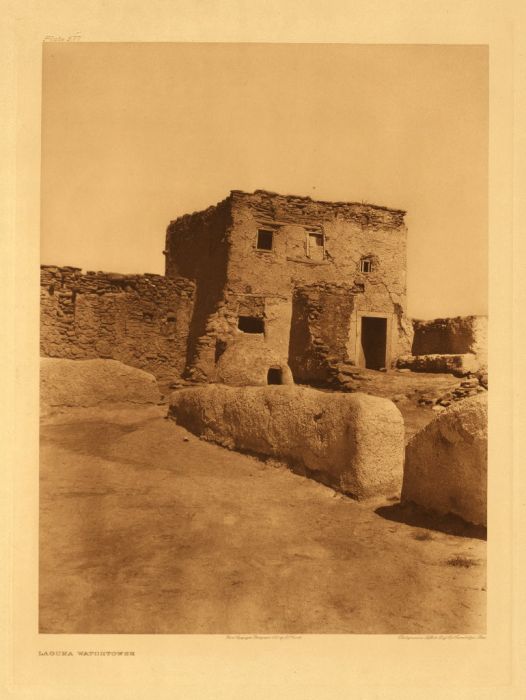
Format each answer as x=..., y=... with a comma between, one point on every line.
x=274, y=376
x=374, y=341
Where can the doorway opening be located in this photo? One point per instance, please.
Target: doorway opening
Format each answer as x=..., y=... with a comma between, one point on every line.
x=274, y=376
x=374, y=341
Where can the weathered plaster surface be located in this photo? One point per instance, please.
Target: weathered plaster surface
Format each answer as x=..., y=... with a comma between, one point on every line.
x=93, y=382
x=446, y=463
x=354, y=442
x=218, y=249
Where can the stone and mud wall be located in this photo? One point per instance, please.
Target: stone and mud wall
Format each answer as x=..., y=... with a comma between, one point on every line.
x=141, y=320
x=319, y=334
x=451, y=336
x=197, y=248
x=218, y=249
x=458, y=345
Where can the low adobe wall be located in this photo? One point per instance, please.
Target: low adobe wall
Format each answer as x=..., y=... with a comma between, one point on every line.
x=354, y=443
x=452, y=336
x=141, y=320
x=446, y=462
x=459, y=365
x=93, y=382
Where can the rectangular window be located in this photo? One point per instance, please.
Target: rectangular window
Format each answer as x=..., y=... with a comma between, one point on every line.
x=251, y=324
x=366, y=265
x=264, y=239
x=316, y=247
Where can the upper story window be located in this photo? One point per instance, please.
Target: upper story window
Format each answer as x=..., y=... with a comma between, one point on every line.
x=265, y=239
x=366, y=265
x=315, y=246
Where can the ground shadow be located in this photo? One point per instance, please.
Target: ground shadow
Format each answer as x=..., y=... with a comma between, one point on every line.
x=411, y=514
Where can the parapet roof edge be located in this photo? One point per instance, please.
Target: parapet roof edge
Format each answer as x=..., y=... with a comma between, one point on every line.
x=306, y=198
x=303, y=198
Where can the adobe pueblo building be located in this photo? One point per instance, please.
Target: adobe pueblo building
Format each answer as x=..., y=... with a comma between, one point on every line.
x=261, y=288
x=288, y=288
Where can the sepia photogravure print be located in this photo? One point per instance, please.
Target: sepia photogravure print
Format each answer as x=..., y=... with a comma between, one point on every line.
x=263, y=339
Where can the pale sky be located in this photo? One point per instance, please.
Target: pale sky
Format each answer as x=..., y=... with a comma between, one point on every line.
x=134, y=135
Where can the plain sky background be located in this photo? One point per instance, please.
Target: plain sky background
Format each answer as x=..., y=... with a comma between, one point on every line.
x=134, y=135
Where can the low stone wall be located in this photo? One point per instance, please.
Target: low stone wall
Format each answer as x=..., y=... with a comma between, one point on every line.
x=459, y=365
x=355, y=443
x=446, y=462
x=141, y=320
x=93, y=382
x=452, y=336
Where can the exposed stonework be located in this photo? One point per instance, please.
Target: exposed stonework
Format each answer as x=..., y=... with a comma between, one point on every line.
x=353, y=443
x=455, y=343
x=141, y=320
x=317, y=287
x=459, y=365
x=284, y=260
x=446, y=463
x=319, y=334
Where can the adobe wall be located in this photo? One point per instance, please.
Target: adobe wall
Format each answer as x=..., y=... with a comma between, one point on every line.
x=197, y=248
x=351, y=232
x=452, y=336
x=141, y=320
x=218, y=249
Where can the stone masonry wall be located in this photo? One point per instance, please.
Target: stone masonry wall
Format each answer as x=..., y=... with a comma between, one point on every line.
x=452, y=336
x=141, y=320
x=321, y=318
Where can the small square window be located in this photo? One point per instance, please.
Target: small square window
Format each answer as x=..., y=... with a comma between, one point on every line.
x=264, y=239
x=366, y=265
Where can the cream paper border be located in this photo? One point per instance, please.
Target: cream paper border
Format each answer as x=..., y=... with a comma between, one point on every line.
x=201, y=666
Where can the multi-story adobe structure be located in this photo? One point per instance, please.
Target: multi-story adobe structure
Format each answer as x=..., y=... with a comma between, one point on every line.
x=288, y=282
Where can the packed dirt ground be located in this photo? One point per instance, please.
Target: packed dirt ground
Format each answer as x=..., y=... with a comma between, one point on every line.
x=147, y=529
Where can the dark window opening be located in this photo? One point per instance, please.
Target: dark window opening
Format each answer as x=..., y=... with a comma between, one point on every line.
x=264, y=239
x=170, y=318
x=274, y=376
x=366, y=265
x=220, y=349
x=251, y=324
